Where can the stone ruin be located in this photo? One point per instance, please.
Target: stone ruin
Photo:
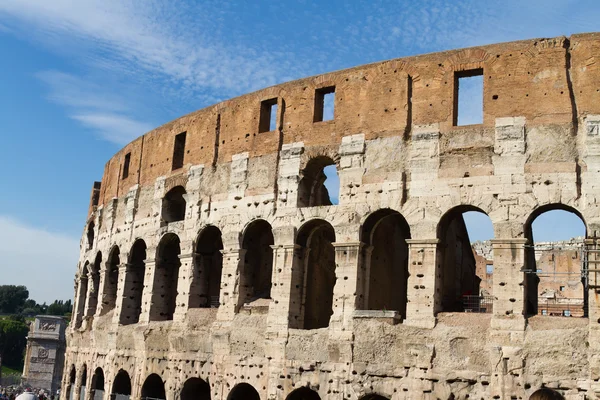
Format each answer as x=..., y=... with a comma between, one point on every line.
x=216, y=265
x=45, y=354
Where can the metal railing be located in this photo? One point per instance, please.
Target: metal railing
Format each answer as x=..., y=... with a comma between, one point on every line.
x=478, y=304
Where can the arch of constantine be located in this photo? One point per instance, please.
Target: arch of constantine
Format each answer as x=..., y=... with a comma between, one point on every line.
x=216, y=265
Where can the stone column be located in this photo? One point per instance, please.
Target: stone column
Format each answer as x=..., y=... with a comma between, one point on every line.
x=184, y=285
x=423, y=277
x=101, y=308
x=148, y=295
x=122, y=303
x=81, y=299
x=509, y=284
x=348, y=285
x=233, y=260
x=593, y=265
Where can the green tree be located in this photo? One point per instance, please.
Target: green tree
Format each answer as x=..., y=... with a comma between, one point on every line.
x=12, y=298
x=13, y=339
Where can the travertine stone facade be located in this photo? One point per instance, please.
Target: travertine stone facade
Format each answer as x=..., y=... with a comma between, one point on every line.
x=213, y=264
x=45, y=355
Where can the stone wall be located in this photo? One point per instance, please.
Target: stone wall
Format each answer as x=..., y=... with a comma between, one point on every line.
x=45, y=354
x=173, y=288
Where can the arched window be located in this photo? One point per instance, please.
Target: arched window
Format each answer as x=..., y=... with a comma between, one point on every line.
x=83, y=382
x=386, y=261
x=94, y=286
x=303, y=393
x=166, y=278
x=121, y=388
x=90, y=235
x=208, y=265
x=243, y=391
x=461, y=278
x=258, y=261
x=195, y=389
x=555, y=279
x=134, y=284
x=173, y=205
x=98, y=384
x=111, y=279
x=319, y=185
x=153, y=388
x=316, y=239
x=71, y=384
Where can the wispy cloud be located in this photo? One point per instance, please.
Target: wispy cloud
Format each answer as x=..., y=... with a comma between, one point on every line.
x=113, y=127
x=41, y=260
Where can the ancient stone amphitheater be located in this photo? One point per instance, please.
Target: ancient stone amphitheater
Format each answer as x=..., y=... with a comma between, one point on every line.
x=215, y=266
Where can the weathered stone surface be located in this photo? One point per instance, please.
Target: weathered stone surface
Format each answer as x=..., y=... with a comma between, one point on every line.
x=246, y=225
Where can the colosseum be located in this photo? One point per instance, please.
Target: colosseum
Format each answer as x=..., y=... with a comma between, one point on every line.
x=216, y=265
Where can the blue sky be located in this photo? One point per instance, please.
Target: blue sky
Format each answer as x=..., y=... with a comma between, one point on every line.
x=82, y=78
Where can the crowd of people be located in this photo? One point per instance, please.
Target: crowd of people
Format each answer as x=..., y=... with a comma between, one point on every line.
x=25, y=393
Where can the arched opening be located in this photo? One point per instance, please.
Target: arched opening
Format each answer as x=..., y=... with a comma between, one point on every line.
x=208, y=265
x=111, y=279
x=94, y=281
x=303, y=393
x=82, y=289
x=98, y=384
x=385, y=256
x=71, y=383
x=243, y=391
x=462, y=280
x=166, y=278
x=173, y=205
x=258, y=261
x=312, y=189
x=195, y=389
x=556, y=281
x=121, y=388
x=133, y=287
x=90, y=235
x=83, y=382
x=316, y=239
x=153, y=388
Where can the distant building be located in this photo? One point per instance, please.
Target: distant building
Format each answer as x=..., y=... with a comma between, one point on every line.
x=45, y=356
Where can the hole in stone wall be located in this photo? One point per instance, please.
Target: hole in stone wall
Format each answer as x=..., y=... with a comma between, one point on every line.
x=92, y=301
x=386, y=261
x=134, y=284
x=121, y=388
x=258, y=239
x=126, y=165
x=318, y=277
x=320, y=184
x=153, y=388
x=463, y=283
x=90, y=235
x=303, y=393
x=268, y=116
x=468, y=97
x=83, y=382
x=324, y=104
x=554, y=258
x=195, y=389
x=109, y=295
x=166, y=278
x=206, y=281
x=173, y=205
x=178, y=151
x=243, y=391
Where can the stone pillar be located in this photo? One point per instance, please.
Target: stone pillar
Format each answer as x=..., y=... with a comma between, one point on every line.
x=593, y=265
x=348, y=285
x=101, y=308
x=233, y=260
x=123, y=304
x=148, y=295
x=184, y=285
x=81, y=299
x=423, y=277
x=286, y=292
x=509, y=284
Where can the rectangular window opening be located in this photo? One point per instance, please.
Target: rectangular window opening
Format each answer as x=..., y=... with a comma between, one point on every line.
x=126, y=165
x=179, y=151
x=268, y=116
x=489, y=269
x=468, y=97
x=324, y=104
